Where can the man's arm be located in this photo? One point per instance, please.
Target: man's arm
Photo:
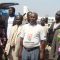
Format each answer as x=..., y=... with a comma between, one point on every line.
x=42, y=49
x=54, y=42
x=42, y=43
x=21, y=48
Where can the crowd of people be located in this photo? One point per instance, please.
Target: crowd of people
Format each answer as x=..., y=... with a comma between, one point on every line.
x=29, y=41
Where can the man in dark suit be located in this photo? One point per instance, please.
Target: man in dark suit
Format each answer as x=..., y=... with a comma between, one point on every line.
x=9, y=20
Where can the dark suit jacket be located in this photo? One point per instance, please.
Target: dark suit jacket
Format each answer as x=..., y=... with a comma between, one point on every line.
x=5, y=18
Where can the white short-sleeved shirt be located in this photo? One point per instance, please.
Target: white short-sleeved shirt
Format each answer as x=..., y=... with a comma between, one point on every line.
x=32, y=35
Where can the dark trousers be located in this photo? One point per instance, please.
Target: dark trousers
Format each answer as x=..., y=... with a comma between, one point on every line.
x=58, y=57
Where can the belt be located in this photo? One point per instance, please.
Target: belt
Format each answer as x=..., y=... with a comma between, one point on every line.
x=31, y=49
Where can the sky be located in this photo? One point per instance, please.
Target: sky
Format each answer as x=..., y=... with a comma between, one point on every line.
x=42, y=7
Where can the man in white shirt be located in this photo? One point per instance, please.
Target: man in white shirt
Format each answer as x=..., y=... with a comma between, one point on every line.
x=9, y=23
x=32, y=39
x=10, y=20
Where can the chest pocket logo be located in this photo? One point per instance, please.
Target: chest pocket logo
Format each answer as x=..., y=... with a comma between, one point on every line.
x=29, y=37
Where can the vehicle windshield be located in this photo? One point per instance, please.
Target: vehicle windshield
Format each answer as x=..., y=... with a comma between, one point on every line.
x=4, y=12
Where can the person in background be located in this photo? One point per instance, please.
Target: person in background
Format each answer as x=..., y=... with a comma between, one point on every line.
x=2, y=37
x=32, y=39
x=12, y=45
x=26, y=21
x=55, y=50
x=9, y=21
x=55, y=25
x=42, y=22
x=28, y=15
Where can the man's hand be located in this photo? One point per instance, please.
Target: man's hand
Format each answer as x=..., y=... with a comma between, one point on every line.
x=21, y=48
x=42, y=56
x=20, y=56
x=42, y=50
